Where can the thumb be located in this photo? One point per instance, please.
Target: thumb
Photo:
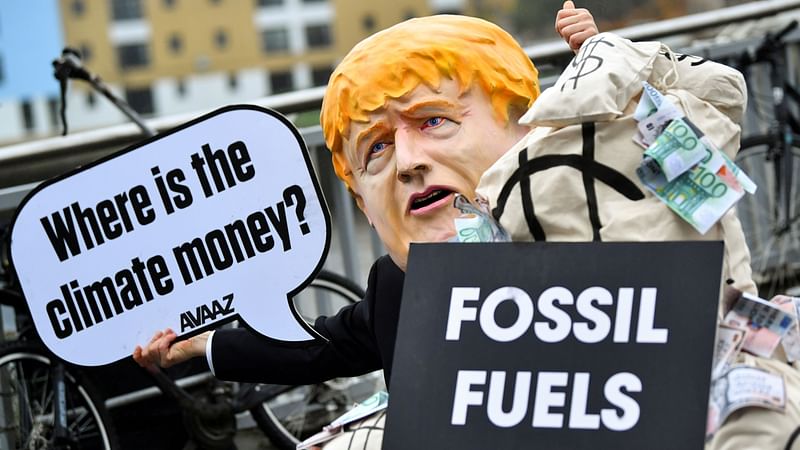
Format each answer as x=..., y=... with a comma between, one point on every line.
x=568, y=5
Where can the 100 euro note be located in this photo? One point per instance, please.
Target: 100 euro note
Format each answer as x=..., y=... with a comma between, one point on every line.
x=729, y=342
x=472, y=228
x=702, y=193
x=766, y=323
x=676, y=149
x=791, y=340
x=654, y=112
x=740, y=387
x=475, y=224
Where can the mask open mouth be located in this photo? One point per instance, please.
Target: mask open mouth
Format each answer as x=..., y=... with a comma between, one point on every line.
x=430, y=198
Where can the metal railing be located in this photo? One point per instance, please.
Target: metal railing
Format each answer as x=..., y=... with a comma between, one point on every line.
x=22, y=166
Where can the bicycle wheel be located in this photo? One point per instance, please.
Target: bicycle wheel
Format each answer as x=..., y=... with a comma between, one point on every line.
x=27, y=399
x=773, y=234
x=303, y=410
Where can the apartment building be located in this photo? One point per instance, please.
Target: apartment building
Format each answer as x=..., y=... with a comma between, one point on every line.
x=173, y=56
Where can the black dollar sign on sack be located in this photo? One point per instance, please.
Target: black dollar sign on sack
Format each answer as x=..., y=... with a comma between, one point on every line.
x=584, y=163
x=582, y=59
x=680, y=57
x=699, y=59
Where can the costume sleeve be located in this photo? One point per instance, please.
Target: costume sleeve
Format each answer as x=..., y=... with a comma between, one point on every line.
x=240, y=355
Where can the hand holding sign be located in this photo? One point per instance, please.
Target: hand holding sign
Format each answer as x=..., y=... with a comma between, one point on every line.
x=217, y=219
x=164, y=351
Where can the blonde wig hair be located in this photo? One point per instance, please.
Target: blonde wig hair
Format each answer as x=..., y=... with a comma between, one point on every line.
x=393, y=62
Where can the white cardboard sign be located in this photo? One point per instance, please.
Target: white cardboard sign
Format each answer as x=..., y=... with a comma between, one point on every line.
x=219, y=218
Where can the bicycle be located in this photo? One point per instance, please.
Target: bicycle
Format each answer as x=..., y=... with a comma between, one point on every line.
x=44, y=402
x=285, y=414
x=772, y=159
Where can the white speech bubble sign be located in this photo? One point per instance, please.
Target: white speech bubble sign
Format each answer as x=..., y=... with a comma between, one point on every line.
x=218, y=219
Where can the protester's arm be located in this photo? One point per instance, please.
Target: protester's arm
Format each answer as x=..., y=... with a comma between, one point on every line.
x=575, y=25
x=238, y=354
x=350, y=349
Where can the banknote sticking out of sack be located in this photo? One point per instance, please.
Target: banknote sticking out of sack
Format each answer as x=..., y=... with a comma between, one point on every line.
x=574, y=176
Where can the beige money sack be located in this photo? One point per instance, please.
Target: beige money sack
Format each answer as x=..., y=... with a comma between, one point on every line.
x=573, y=178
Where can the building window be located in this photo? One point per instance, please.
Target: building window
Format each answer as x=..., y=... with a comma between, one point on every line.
x=202, y=63
x=53, y=110
x=85, y=52
x=126, y=9
x=175, y=43
x=78, y=7
x=221, y=39
x=275, y=40
x=318, y=36
x=263, y=3
x=140, y=99
x=281, y=82
x=27, y=115
x=321, y=75
x=368, y=22
x=132, y=55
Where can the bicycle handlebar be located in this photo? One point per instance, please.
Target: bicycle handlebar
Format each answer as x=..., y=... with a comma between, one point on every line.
x=69, y=65
x=786, y=30
x=771, y=43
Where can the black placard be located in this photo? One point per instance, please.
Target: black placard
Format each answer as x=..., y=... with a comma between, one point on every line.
x=647, y=388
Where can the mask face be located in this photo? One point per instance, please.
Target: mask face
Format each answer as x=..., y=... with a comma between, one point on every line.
x=416, y=153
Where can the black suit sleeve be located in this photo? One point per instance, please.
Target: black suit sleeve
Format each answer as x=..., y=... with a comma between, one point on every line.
x=350, y=350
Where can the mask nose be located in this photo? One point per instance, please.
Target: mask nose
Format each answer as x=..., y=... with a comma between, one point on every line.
x=411, y=160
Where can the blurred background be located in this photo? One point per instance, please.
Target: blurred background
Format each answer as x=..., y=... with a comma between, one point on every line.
x=174, y=60
x=178, y=56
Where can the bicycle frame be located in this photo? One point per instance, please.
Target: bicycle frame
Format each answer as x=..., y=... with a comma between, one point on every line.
x=783, y=128
x=249, y=395
x=62, y=439
x=784, y=135
x=61, y=435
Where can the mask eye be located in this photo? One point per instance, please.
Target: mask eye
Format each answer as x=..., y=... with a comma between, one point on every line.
x=433, y=122
x=375, y=151
x=378, y=147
